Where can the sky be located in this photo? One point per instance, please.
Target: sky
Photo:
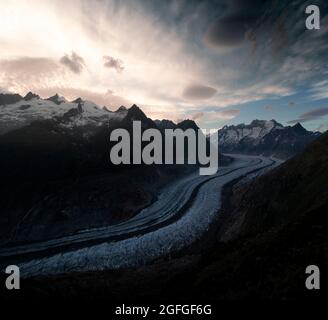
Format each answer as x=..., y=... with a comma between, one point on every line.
x=217, y=62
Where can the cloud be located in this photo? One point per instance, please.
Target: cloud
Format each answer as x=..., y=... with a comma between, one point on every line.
x=107, y=98
x=26, y=73
x=198, y=92
x=229, y=31
x=197, y=116
x=162, y=47
x=315, y=113
x=276, y=90
x=213, y=116
x=223, y=115
x=246, y=6
x=31, y=65
x=319, y=90
x=74, y=62
x=236, y=25
x=311, y=115
x=113, y=63
x=322, y=127
x=3, y=90
x=209, y=116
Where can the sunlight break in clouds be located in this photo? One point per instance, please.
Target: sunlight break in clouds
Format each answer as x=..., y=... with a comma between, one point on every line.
x=173, y=58
x=154, y=66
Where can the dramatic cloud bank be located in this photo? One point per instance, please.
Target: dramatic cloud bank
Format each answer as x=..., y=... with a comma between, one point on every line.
x=176, y=59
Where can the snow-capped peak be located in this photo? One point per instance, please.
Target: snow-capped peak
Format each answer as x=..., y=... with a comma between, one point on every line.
x=256, y=130
x=17, y=111
x=57, y=99
x=264, y=137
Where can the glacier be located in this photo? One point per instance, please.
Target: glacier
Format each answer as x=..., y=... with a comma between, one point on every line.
x=145, y=248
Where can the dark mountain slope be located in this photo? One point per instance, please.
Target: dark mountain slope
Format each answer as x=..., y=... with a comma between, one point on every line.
x=64, y=180
x=296, y=187
x=8, y=98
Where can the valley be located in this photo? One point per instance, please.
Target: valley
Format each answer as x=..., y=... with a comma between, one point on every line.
x=183, y=211
x=79, y=214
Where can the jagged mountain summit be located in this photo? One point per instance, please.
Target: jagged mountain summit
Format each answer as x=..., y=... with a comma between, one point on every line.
x=57, y=99
x=122, y=109
x=30, y=95
x=17, y=111
x=264, y=137
x=165, y=124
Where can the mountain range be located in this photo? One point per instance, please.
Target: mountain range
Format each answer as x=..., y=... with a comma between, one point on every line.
x=55, y=160
x=17, y=111
x=268, y=138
